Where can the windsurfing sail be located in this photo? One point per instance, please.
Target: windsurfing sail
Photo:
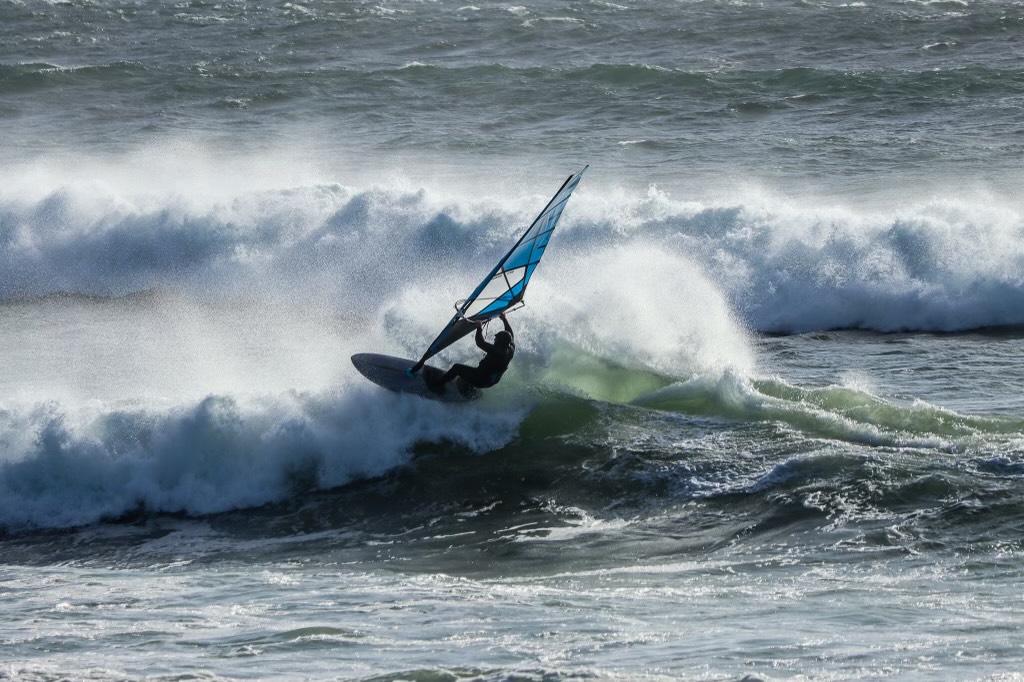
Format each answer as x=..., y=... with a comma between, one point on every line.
x=506, y=284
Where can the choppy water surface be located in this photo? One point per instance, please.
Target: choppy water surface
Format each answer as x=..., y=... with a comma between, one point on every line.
x=765, y=416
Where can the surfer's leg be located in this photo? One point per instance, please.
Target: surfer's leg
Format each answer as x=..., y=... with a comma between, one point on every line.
x=474, y=376
x=457, y=370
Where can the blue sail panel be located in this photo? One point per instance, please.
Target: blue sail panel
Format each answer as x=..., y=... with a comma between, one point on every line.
x=506, y=284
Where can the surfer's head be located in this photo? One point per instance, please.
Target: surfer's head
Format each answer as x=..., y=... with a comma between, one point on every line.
x=502, y=339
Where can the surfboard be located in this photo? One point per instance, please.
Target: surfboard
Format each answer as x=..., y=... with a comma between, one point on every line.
x=392, y=373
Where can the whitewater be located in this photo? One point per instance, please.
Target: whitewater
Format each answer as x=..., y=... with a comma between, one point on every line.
x=764, y=420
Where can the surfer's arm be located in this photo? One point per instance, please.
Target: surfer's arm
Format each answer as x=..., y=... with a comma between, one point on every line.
x=480, y=343
x=508, y=327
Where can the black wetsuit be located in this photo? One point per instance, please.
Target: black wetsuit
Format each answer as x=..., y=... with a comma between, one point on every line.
x=488, y=372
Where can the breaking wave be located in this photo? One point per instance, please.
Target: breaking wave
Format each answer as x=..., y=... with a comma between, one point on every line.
x=219, y=230
x=63, y=467
x=647, y=302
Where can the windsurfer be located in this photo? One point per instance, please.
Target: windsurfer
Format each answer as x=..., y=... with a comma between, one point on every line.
x=488, y=372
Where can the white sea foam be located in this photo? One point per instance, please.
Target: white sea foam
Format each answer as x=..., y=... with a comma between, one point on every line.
x=63, y=466
x=940, y=263
x=288, y=231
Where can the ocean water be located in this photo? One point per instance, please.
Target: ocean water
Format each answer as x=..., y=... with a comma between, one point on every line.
x=766, y=418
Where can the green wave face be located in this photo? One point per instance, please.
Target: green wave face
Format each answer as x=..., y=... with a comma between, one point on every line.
x=830, y=412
